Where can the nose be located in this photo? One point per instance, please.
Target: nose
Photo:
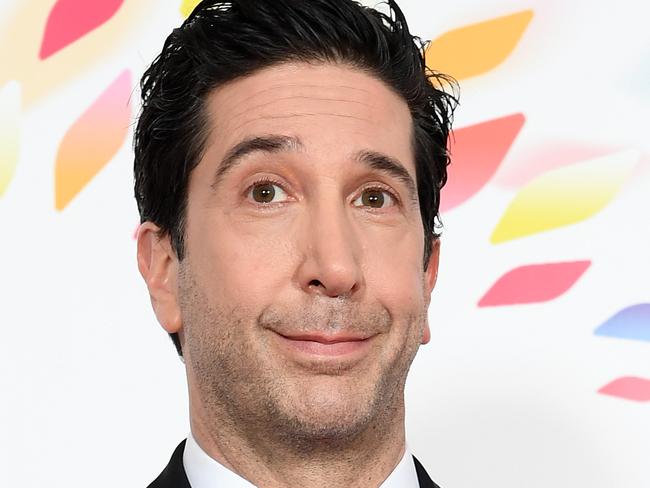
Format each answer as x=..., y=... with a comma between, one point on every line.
x=331, y=255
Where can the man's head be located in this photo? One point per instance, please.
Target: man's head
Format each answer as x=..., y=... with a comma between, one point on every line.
x=288, y=162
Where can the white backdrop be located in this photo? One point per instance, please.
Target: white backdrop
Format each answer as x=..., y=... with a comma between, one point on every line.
x=526, y=390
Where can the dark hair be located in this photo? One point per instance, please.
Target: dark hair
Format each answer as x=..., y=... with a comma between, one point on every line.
x=222, y=41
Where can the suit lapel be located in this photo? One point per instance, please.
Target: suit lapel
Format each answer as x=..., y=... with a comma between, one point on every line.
x=423, y=476
x=173, y=476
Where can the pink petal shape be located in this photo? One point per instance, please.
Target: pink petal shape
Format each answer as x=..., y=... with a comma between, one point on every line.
x=71, y=19
x=476, y=153
x=534, y=283
x=93, y=140
x=547, y=157
x=629, y=388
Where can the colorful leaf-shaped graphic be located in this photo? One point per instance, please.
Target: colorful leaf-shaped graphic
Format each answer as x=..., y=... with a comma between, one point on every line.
x=22, y=36
x=534, y=283
x=629, y=388
x=71, y=19
x=9, y=132
x=565, y=196
x=630, y=323
x=476, y=153
x=477, y=48
x=187, y=6
x=535, y=161
x=92, y=140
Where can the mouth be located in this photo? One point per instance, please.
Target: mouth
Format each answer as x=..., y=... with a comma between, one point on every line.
x=340, y=345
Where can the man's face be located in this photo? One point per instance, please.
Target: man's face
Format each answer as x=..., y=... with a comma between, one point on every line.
x=302, y=296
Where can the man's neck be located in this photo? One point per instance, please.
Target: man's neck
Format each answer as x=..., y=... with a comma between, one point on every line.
x=265, y=460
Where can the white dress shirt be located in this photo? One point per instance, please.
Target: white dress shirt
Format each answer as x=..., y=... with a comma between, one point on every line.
x=204, y=472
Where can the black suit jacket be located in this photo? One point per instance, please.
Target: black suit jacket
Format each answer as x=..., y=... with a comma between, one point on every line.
x=173, y=476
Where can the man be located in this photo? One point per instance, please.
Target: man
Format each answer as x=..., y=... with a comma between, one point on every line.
x=288, y=162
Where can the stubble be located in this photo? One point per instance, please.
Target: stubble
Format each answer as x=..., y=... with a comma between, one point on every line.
x=264, y=400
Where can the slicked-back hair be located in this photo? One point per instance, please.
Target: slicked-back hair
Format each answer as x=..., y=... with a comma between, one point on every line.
x=222, y=41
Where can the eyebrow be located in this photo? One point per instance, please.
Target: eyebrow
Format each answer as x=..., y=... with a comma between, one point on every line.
x=268, y=144
x=279, y=143
x=386, y=164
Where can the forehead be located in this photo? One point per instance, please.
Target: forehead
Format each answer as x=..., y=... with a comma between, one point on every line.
x=329, y=107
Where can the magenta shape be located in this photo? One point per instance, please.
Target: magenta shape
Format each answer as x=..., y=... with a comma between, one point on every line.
x=534, y=283
x=71, y=19
x=629, y=388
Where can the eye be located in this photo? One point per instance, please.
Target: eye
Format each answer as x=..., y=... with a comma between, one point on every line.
x=267, y=192
x=374, y=198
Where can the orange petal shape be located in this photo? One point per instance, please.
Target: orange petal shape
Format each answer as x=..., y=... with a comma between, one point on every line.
x=71, y=19
x=9, y=132
x=628, y=388
x=477, y=48
x=187, y=6
x=534, y=283
x=565, y=196
x=476, y=153
x=92, y=141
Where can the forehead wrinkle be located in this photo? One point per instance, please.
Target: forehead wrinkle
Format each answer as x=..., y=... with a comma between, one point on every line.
x=302, y=85
x=308, y=114
x=302, y=97
x=224, y=91
x=297, y=114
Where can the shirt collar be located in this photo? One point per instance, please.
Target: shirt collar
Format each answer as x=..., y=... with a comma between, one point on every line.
x=404, y=475
x=204, y=472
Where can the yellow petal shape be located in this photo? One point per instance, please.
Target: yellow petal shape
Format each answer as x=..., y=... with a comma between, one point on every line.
x=9, y=132
x=187, y=6
x=93, y=140
x=477, y=48
x=565, y=196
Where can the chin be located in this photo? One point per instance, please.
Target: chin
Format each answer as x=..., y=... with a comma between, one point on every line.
x=325, y=413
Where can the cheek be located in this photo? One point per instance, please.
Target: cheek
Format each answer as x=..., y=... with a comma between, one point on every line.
x=246, y=262
x=394, y=273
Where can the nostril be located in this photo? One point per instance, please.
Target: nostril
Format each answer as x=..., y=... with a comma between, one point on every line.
x=315, y=283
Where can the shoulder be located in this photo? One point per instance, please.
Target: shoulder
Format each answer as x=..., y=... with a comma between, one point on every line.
x=173, y=476
x=423, y=477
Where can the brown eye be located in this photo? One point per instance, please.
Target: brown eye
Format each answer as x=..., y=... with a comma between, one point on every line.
x=374, y=198
x=267, y=192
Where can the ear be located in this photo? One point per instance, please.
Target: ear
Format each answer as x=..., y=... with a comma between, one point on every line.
x=158, y=265
x=430, y=278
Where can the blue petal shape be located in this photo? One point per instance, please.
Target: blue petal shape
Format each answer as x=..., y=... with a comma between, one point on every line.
x=630, y=323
